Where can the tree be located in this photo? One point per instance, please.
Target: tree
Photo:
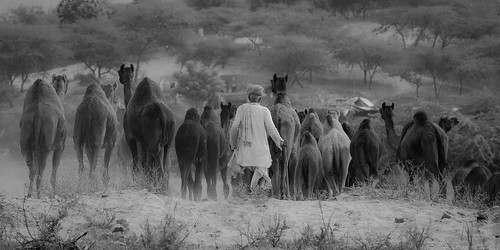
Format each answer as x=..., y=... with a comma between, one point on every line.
x=369, y=55
x=295, y=55
x=27, y=15
x=27, y=49
x=211, y=51
x=69, y=11
x=95, y=43
x=470, y=67
x=198, y=83
x=150, y=25
x=435, y=63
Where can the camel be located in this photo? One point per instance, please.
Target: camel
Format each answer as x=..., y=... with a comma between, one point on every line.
x=312, y=124
x=302, y=115
x=366, y=150
x=461, y=173
x=492, y=188
x=287, y=122
x=43, y=129
x=447, y=123
x=217, y=157
x=95, y=128
x=309, y=173
x=476, y=178
x=421, y=141
x=334, y=148
x=149, y=126
x=191, y=150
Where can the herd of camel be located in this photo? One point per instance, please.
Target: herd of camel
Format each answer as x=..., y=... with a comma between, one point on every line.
x=320, y=154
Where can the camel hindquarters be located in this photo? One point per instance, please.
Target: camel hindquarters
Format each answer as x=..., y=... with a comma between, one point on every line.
x=42, y=131
x=336, y=160
x=306, y=173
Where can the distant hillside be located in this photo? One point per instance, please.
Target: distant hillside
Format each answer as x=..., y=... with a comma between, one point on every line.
x=6, y=5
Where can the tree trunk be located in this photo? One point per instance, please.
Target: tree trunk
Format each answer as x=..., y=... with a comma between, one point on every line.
x=22, y=86
x=461, y=86
x=365, y=72
x=138, y=63
x=436, y=93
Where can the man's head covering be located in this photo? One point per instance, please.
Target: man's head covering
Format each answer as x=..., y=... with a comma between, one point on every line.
x=255, y=89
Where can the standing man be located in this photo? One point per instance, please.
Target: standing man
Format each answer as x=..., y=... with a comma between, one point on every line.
x=248, y=137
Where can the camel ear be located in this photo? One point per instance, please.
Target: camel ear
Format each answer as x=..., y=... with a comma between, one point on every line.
x=229, y=104
x=53, y=77
x=221, y=105
x=392, y=106
x=305, y=111
x=65, y=78
x=132, y=68
x=274, y=77
x=383, y=105
x=286, y=77
x=121, y=68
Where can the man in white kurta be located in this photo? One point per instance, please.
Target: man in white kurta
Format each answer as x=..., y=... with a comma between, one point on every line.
x=248, y=136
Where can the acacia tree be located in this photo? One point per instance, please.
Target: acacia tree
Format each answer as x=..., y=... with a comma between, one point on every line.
x=198, y=83
x=470, y=67
x=26, y=49
x=211, y=51
x=296, y=55
x=150, y=25
x=437, y=64
x=95, y=43
x=369, y=55
x=69, y=11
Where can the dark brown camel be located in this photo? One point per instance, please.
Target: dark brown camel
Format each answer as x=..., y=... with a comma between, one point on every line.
x=366, y=150
x=492, y=188
x=424, y=142
x=334, y=148
x=149, y=127
x=43, y=129
x=287, y=122
x=476, y=178
x=95, y=128
x=309, y=174
x=447, y=123
x=216, y=153
x=191, y=150
x=421, y=141
x=312, y=124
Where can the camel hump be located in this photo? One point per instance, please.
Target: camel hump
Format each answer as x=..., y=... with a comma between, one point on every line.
x=96, y=91
x=42, y=92
x=308, y=139
x=148, y=88
x=365, y=124
x=420, y=117
x=208, y=115
x=192, y=115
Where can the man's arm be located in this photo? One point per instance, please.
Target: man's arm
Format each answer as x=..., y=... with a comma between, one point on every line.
x=271, y=129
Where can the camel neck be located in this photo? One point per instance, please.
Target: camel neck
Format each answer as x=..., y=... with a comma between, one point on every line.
x=392, y=137
x=127, y=92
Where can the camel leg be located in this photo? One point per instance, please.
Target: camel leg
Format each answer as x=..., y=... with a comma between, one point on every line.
x=184, y=178
x=223, y=173
x=32, y=172
x=79, y=156
x=56, y=160
x=93, y=157
x=41, y=163
x=298, y=183
x=166, y=165
x=197, y=181
x=312, y=175
x=132, y=144
x=107, y=157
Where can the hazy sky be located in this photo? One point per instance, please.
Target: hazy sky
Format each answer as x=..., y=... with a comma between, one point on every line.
x=5, y=5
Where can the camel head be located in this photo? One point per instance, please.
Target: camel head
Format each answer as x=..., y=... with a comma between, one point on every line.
x=302, y=114
x=126, y=74
x=334, y=113
x=228, y=110
x=386, y=112
x=109, y=90
x=278, y=84
x=60, y=83
x=447, y=123
x=192, y=115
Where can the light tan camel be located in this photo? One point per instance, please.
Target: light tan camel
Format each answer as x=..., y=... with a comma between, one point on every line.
x=334, y=148
x=95, y=128
x=43, y=129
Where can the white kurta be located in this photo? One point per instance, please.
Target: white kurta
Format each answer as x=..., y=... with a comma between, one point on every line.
x=248, y=135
